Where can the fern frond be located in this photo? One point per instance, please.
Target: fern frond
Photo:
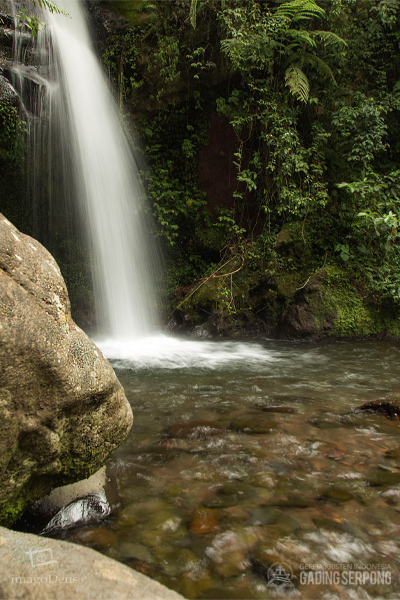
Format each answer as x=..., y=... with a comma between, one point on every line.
x=396, y=90
x=297, y=10
x=50, y=6
x=320, y=66
x=297, y=82
x=193, y=13
x=300, y=37
x=328, y=37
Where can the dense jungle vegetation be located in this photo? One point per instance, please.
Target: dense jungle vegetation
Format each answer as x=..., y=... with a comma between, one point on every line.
x=271, y=136
x=310, y=157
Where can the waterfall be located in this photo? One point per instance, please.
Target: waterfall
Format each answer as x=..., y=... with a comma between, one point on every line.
x=102, y=174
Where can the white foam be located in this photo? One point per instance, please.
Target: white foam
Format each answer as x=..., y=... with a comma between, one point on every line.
x=168, y=352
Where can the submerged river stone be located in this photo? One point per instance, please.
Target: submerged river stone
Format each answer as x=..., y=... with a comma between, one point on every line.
x=252, y=423
x=195, y=430
x=62, y=409
x=389, y=408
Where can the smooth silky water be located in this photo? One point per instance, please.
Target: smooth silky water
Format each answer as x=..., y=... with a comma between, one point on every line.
x=206, y=503
x=242, y=455
x=101, y=173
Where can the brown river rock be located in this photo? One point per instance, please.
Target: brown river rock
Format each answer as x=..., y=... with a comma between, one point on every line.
x=62, y=408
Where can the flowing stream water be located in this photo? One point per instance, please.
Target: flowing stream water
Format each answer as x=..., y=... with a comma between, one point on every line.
x=247, y=470
x=245, y=457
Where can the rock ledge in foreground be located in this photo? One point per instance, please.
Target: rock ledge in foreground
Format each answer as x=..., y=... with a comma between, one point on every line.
x=37, y=568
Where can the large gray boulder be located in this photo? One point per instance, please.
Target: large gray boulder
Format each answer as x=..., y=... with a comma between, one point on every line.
x=37, y=568
x=62, y=409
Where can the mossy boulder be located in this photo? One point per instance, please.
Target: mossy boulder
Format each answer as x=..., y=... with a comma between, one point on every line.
x=332, y=303
x=244, y=300
x=62, y=408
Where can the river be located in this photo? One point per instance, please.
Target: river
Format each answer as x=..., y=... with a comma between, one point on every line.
x=249, y=474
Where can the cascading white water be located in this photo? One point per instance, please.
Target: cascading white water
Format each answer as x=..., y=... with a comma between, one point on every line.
x=88, y=146
x=110, y=195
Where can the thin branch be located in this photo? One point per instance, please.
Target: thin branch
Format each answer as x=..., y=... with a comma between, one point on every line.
x=205, y=279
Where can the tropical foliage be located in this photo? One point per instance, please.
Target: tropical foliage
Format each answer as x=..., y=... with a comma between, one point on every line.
x=306, y=94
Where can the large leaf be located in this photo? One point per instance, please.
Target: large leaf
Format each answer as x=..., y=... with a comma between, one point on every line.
x=328, y=37
x=193, y=13
x=300, y=37
x=298, y=10
x=297, y=83
x=396, y=90
x=319, y=65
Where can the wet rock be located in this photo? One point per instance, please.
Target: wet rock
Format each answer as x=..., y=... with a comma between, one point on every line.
x=204, y=520
x=196, y=430
x=153, y=539
x=335, y=524
x=264, y=565
x=292, y=502
x=141, y=566
x=62, y=408
x=395, y=453
x=324, y=423
x=192, y=584
x=94, y=537
x=277, y=409
x=133, y=550
x=264, y=515
x=235, y=514
x=165, y=520
x=79, y=512
x=8, y=95
x=383, y=478
x=253, y=424
x=228, y=552
x=309, y=316
x=275, y=466
x=236, y=492
x=337, y=494
x=389, y=408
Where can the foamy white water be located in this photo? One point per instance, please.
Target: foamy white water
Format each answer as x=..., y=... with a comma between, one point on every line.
x=167, y=352
x=110, y=194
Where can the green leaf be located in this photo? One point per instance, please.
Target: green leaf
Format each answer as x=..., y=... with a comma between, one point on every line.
x=328, y=37
x=297, y=83
x=396, y=90
x=297, y=10
x=193, y=13
x=320, y=66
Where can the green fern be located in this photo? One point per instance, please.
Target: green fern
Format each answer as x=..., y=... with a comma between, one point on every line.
x=328, y=37
x=320, y=66
x=297, y=10
x=50, y=6
x=300, y=37
x=297, y=83
x=193, y=13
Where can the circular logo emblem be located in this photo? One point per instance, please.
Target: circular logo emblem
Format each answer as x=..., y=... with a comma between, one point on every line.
x=280, y=575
